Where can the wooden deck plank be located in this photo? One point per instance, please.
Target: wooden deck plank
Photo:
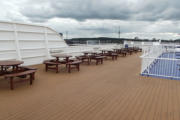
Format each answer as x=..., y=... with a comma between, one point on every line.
x=112, y=91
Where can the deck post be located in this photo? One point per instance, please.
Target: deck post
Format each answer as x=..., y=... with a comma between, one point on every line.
x=46, y=43
x=19, y=57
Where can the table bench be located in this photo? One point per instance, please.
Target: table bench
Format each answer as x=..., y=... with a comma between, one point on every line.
x=99, y=59
x=11, y=76
x=26, y=68
x=71, y=65
x=130, y=51
x=51, y=65
x=84, y=58
x=113, y=56
x=123, y=53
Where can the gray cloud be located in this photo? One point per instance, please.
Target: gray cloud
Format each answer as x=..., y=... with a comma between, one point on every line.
x=78, y=9
x=143, y=10
x=95, y=18
x=109, y=28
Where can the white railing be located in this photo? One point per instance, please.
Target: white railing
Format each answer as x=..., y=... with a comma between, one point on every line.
x=150, y=53
x=161, y=61
x=79, y=49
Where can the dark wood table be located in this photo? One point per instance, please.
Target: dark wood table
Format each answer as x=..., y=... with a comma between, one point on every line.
x=9, y=63
x=116, y=50
x=86, y=53
x=90, y=53
x=107, y=51
x=57, y=56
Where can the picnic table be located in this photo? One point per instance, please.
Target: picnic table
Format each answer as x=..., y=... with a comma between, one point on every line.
x=66, y=56
x=107, y=51
x=116, y=50
x=91, y=53
x=16, y=71
x=9, y=63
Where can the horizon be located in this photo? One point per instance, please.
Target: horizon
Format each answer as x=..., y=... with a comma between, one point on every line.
x=89, y=18
x=120, y=38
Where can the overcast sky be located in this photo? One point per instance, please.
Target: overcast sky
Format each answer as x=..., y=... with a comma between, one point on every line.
x=96, y=18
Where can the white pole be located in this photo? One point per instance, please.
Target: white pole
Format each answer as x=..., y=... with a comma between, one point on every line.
x=46, y=43
x=19, y=57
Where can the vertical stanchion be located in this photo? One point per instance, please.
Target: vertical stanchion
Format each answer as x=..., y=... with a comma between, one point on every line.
x=19, y=57
x=46, y=43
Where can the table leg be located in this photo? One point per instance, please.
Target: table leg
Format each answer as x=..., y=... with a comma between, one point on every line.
x=15, y=68
x=57, y=69
x=2, y=67
x=57, y=59
x=31, y=79
x=11, y=83
x=78, y=67
x=69, y=68
x=2, y=70
x=97, y=61
x=67, y=59
x=88, y=61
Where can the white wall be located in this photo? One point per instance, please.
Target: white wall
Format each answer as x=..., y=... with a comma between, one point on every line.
x=27, y=42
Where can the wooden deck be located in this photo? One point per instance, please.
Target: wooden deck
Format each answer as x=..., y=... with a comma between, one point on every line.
x=112, y=91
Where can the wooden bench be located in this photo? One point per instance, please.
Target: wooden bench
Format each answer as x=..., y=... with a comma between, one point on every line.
x=135, y=49
x=31, y=73
x=26, y=68
x=71, y=65
x=123, y=53
x=113, y=56
x=99, y=59
x=130, y=51
x=84, y=58
x=51, y=65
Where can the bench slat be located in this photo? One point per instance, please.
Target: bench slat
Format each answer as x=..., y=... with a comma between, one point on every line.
x=75, y=62
x=20, y=73
x=52, y=63
x=27, y=68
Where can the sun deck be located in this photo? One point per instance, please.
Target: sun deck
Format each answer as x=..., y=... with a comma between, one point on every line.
x=112, y=91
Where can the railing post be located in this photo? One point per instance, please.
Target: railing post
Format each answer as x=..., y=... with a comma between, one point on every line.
x=46, y=43
x=19, y=57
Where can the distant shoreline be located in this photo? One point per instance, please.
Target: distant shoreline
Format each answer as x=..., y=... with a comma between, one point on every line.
x=113, y=40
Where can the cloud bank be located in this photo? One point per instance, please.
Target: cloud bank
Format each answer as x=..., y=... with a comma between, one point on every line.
x=94, y=18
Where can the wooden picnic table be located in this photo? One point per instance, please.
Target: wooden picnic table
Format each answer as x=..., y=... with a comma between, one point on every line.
x=107, y=51
x=116, y=50
x=90, y=53
x=87, y=52
x=57, y=56
x=9, y=63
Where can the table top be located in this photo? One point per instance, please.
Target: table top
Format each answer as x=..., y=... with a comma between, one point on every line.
x=10, y=62
x=90, y=52
x=87, y=52
x=106, y=50
x=61, y=55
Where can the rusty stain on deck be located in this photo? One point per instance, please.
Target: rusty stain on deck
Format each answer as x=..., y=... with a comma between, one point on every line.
x=112, y=91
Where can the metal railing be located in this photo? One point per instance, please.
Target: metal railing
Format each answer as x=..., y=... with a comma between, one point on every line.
x=79, y=49
x=161, y=61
